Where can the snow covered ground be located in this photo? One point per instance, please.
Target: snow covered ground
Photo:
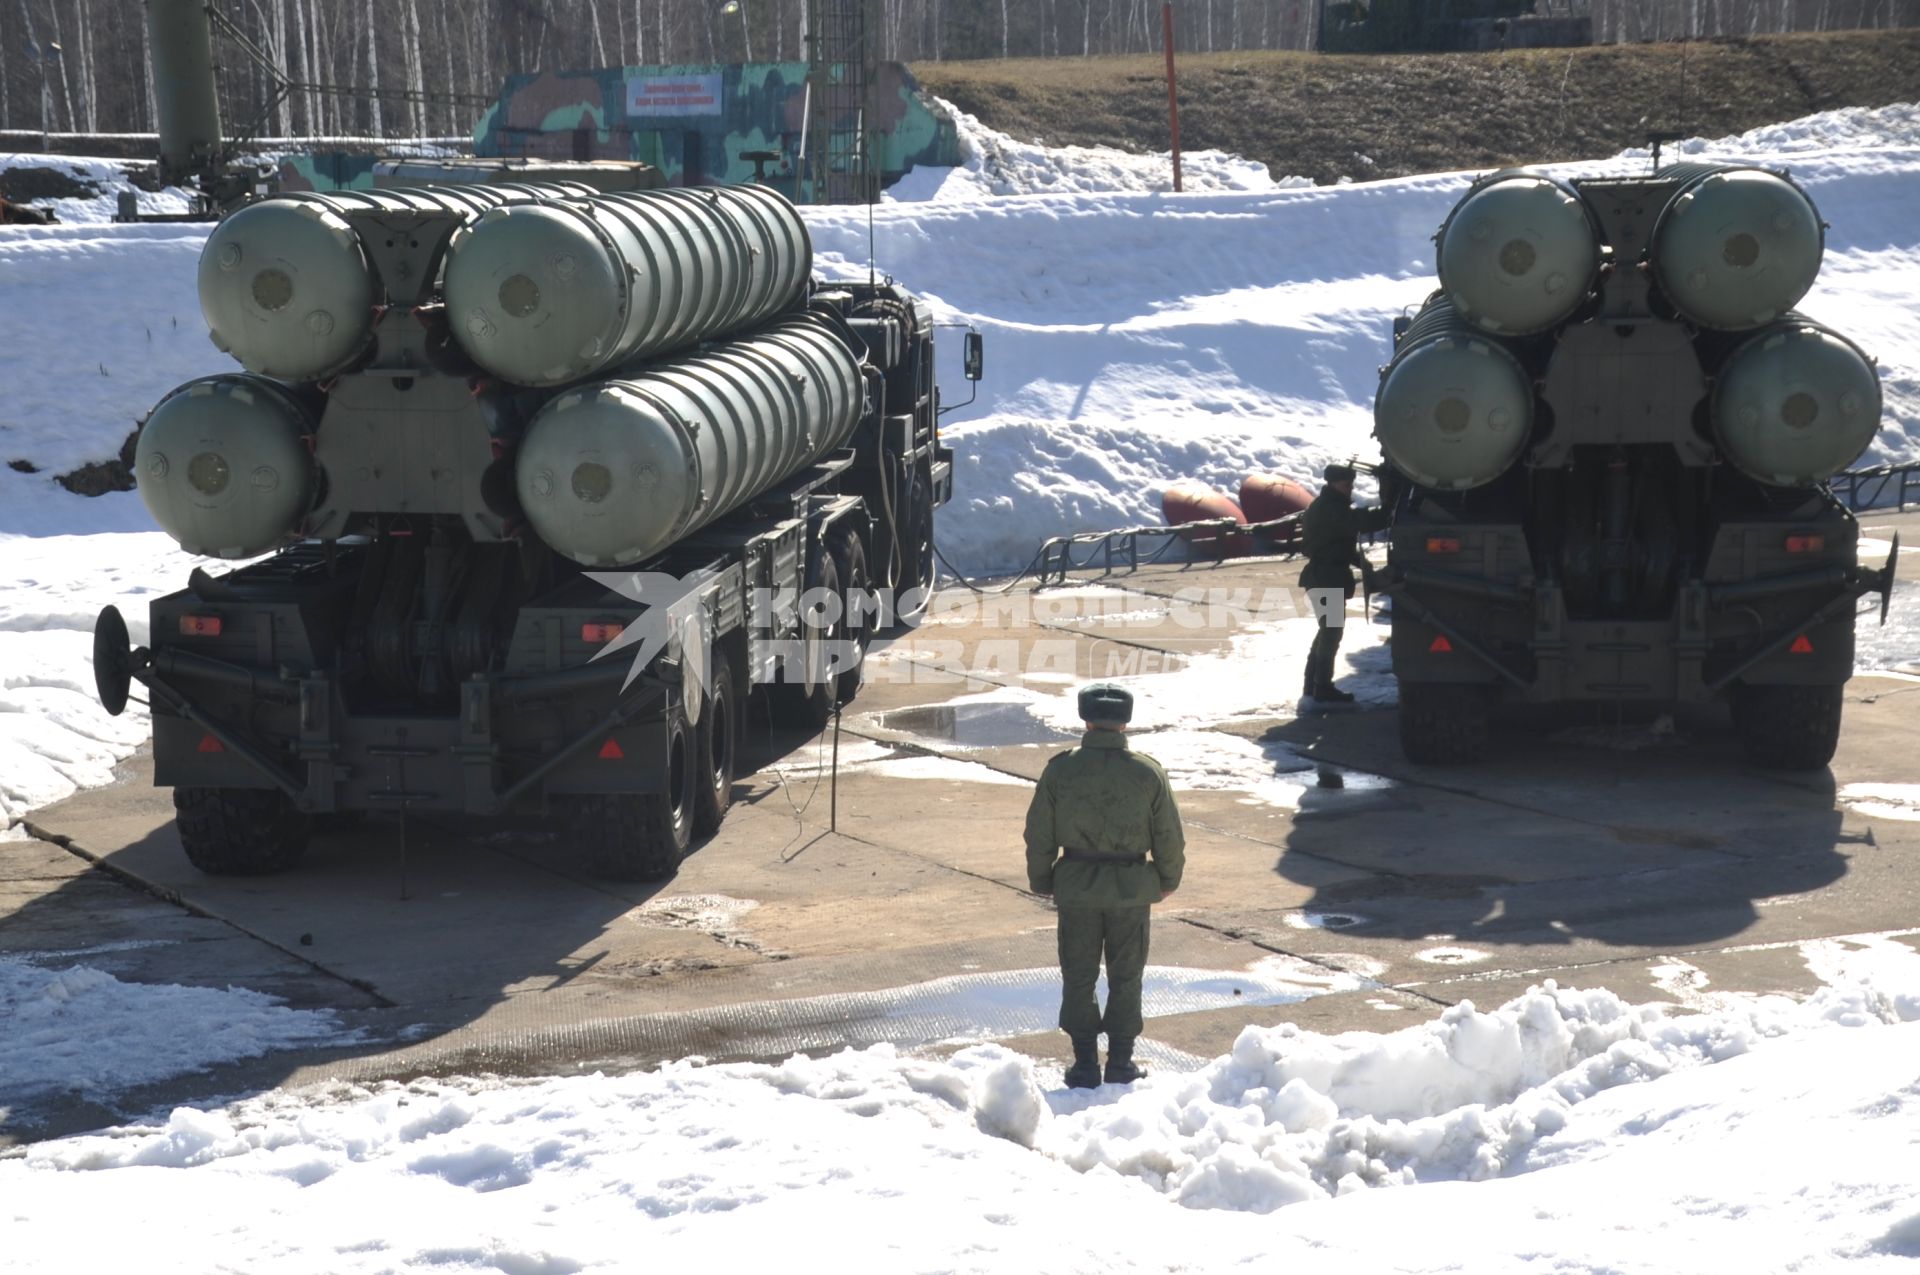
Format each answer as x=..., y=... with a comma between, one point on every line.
x=1564, y=1131
x=1134, y=337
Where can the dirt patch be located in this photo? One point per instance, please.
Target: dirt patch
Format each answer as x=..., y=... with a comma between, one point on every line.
x=1362, y=117
x=22, y=185
x=97, y=478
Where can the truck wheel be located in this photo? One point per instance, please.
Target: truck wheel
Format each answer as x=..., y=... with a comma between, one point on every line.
x=1443, y=723
x=803, y=697
x=240, y=832
x=850, y=558
x=1788, y=727
x=643, y=837
x=916, y=547
x=719, y=750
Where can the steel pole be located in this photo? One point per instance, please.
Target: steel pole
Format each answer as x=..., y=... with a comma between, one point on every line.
x=1173, y=97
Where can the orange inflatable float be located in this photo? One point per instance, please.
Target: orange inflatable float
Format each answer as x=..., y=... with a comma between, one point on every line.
x=1265, y=497
x=1190, y=500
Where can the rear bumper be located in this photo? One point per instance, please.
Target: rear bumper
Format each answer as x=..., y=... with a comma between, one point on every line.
x=1524, y=642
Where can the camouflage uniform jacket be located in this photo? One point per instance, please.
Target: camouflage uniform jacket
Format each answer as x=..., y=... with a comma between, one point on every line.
x=1328, y=535
x=1105, y=799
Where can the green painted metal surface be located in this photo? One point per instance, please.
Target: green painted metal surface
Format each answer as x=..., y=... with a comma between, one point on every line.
x=699, y=124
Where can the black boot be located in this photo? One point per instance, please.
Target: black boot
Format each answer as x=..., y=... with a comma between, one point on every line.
x=1121, y=1069
x=1331, y=694
x=1085, y=1072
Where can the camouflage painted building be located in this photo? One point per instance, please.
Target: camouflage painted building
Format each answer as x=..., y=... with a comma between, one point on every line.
x=699, y=125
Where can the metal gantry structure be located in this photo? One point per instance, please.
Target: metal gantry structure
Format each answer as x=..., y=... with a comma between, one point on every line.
x=838, y=167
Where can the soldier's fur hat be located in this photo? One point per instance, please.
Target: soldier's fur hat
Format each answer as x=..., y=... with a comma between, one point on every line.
x=1105, y=702
x=1337, y=473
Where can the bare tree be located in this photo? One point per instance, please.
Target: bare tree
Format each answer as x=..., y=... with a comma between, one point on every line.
x=373, y=74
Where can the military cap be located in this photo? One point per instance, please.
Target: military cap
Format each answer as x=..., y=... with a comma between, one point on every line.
x=1337, y=473
x=1106, y=702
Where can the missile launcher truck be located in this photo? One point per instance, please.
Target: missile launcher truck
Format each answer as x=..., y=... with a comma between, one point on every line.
x=483, y=435
x=1608, y=436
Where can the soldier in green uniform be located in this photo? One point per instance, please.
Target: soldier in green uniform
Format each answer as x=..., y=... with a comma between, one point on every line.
x=1328, y=538
x=1104, y=839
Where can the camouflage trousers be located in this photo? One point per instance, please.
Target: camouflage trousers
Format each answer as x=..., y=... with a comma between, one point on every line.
x=1087, y=936
x=1326, y=647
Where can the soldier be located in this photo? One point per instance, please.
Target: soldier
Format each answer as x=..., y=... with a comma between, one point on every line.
x=1328, y=539
x=1108, y=814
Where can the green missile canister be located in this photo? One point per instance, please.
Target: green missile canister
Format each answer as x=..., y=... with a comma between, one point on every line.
x=286, y=289
x=560, y=291
x=1518, y=254
x=1795, y=404
x=223, y=465
x=612, y=473
x=1455, y=407
x=1737, y=248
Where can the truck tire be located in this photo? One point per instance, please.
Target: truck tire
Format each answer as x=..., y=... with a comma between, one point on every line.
x=1443, y=723
x=719, y=752
x=804, y=696
x=850, y=559
x=916, y=543
x=240, y=832
x=1788, y=727
x=643, y=837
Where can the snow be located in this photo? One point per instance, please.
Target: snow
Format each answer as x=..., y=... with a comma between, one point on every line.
x=54, y=736
x=1135, y=336
x=1563, y=1130
x=107, y=178
x=58, y=1018
x=995, y=166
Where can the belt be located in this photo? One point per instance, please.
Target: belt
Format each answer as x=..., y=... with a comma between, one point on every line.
x=1097, y=856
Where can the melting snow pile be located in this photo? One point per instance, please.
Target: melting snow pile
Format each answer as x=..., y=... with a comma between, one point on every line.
x=82, y=1031
x=1597, y=1135
x=995, y=165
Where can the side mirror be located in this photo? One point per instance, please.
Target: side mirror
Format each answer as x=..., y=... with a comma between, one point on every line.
x=973, y=356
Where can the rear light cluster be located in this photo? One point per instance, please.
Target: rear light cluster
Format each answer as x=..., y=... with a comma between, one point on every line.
x=1806, y=543
x=599, y=633
x=1443, y=544
x=200, y=626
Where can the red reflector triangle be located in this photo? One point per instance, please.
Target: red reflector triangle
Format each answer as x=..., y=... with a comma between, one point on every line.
x=1801, y=646
x=611, y=750
x=1440, y=644
x=208, y=744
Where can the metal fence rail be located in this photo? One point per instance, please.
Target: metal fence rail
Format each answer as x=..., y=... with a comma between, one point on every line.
x=1869, y=488
x=1119, y=550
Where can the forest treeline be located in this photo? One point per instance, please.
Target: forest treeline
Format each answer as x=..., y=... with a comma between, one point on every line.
x=425, y=66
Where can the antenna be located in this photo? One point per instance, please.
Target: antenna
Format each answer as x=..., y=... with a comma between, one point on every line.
x=873, y=197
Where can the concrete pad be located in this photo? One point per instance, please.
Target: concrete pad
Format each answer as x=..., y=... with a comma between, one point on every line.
x=813, y=913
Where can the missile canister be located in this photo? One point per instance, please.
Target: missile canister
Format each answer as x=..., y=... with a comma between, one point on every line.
x=1518, y=254
x=1795, y=404
x=286, y=285
x=555, y=292
x=1737, y=248
x=612, y=473
x=223, y=465
x=1455, y=407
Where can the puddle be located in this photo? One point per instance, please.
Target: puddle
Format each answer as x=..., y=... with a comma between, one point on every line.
x=996, y=725
x=1450, y=956
x=1324, y=920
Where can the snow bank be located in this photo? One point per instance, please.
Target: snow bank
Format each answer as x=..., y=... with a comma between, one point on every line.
x=996, y=165
x=82, y=1031
x=1564, y=1131
x=54, y=736
x=108, y=178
